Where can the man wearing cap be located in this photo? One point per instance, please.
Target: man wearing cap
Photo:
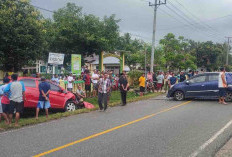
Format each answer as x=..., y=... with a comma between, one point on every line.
x=44, y=89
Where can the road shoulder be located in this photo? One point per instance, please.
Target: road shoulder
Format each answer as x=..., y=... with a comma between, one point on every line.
x=226, y=150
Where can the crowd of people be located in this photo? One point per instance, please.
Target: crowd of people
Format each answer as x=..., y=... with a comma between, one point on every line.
x=163, y=81
x=98, y=84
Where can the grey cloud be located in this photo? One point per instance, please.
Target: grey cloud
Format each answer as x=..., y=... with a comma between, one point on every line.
x=137, y=17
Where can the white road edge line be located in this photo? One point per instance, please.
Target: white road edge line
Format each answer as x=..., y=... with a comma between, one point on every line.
x=214, y=137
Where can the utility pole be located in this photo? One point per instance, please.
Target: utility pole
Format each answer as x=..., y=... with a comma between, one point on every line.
x=228, y=50
x=157, y=3
x=145, y=69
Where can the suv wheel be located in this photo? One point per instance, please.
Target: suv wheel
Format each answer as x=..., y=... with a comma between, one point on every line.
x=70, y=106
x=179, y=95
x=228, y=97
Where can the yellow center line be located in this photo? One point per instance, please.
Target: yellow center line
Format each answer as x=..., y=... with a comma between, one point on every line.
x=109, y=130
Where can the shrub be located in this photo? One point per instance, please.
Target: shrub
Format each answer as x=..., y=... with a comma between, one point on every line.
x=134, y=77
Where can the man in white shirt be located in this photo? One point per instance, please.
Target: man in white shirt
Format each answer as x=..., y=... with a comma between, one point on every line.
x=70, y=82
x=160, y=80
x=222, y=85
x=56, y=80
x=95, y=78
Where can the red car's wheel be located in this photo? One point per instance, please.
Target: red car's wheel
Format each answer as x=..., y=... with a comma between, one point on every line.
x=70, y=106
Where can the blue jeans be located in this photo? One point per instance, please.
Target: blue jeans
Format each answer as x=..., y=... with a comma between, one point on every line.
x=102, y=97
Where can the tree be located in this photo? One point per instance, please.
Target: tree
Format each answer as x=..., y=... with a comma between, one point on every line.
x=135, y=50
x=83, y=34
x=21, y=34
x=210, y=55
x=177, y=53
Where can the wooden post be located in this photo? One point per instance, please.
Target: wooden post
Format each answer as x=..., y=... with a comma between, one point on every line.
x=101, y=61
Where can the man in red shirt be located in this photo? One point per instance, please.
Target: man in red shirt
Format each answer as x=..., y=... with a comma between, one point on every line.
x=87, y=80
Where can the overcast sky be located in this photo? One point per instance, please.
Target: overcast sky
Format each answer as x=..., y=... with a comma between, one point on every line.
x=200, y=20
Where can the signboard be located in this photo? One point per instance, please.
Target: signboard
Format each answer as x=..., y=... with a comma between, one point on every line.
x=56, y=58
x=76, y=64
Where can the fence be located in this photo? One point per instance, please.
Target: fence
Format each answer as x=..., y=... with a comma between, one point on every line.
x=64, y=84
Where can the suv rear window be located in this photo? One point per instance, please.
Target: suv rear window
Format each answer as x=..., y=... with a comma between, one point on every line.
x=29, y=83
x=198, y=79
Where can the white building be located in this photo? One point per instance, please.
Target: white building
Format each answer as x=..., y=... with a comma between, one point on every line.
x=109, y=63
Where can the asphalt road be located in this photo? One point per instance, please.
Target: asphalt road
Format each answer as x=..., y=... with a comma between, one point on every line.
x=152, y=128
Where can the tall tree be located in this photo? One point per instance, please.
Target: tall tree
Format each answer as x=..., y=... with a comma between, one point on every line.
x=21, y=34
x=208, y=55
x=83, y=34
x=177, y=53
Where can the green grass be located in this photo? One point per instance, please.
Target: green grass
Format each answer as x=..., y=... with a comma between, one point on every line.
x=115, y=100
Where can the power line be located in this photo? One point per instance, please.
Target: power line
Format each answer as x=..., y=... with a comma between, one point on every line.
x=197, y=18
x=185, y=25
x=178, y=21
x=200, y=24
x=188, y=21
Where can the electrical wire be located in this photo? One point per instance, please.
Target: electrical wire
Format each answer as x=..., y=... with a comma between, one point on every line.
x=191, y=23
x=198, y=20
x=200, y=25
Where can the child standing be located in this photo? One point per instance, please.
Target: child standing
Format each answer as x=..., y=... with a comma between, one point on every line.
x=4, y=101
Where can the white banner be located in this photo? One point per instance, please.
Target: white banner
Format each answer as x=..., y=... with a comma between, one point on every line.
x=56, y=58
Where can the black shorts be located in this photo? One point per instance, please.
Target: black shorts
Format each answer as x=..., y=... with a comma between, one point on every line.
x=18, y=106
x=5, y=108
x=222, y=92
x=142, y=89
x=88, y=87
x=95, y=86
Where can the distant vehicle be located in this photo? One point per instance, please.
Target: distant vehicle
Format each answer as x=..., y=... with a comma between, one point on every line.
x=59, y=97
x=202, y=86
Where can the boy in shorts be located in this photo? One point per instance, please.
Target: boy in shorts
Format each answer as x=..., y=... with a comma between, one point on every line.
x=44, y=89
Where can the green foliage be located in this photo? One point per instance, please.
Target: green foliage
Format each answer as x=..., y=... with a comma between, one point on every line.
x=26, y=36
x=176, y=53
x=210, y=55
x=134, y=77
x=76, y=32
x=135, y=50
x=21, y=34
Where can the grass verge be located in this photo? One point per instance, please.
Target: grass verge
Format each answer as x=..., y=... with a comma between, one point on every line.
x=115, y=100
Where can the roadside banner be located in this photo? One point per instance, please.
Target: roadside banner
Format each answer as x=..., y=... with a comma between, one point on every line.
x=76, y=64
x=56, y=58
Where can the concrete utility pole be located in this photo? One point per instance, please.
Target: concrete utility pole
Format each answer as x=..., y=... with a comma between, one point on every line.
x=228, y=50
x=157, y=3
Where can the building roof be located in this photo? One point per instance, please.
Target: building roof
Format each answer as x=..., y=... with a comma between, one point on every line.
x=108, y=60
